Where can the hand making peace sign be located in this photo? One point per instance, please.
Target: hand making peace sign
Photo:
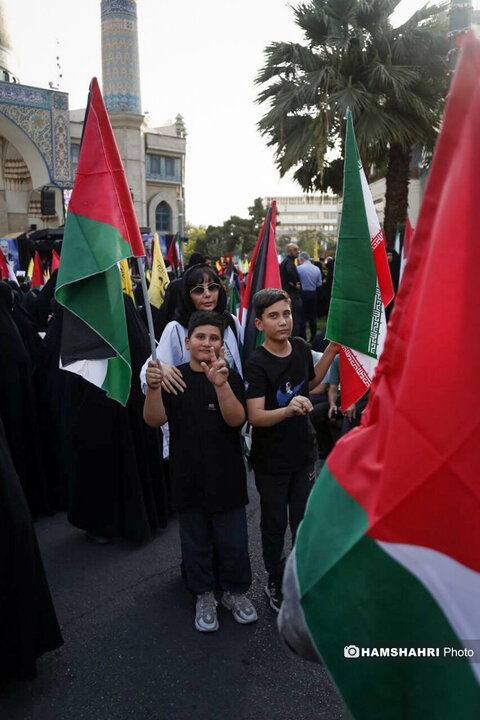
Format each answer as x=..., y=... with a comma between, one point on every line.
x=217, y=370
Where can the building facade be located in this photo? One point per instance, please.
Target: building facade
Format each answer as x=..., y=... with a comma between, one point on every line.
x=40, y=137
x=314, y=213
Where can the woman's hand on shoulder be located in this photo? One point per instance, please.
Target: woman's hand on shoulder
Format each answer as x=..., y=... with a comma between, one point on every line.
x=173, y=381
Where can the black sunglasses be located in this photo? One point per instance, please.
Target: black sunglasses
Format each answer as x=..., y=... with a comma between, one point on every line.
x=200, y=289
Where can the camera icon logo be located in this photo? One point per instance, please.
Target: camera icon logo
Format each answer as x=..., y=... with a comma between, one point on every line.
x=351, y=651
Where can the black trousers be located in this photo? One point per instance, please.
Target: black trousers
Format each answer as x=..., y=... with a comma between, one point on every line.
x=200, y=532
x=309, y=313
x=283, y=499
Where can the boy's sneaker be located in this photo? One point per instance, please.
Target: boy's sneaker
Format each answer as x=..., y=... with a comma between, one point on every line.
x=206, y=612
x=274, y=593
x=241, y=607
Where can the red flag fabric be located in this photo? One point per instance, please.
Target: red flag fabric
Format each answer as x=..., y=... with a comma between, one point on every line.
x=101, y=190
x=38, y=279
x=264, y=272
x=3, y=267
x=55, y=261
x=416, y=454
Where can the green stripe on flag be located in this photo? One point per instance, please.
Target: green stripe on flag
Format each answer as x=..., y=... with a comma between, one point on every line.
x=89, y=285
x=92, y=248
x=354, y=593
x=355, y=279
x=333, y=524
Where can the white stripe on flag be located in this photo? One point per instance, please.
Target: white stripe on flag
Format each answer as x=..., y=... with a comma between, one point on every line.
x=94, y=371
x=454, y=587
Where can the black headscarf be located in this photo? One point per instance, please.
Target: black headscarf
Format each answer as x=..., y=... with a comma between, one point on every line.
x=196, y=275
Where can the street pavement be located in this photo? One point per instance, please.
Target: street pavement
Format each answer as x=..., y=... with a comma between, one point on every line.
x=131, y=650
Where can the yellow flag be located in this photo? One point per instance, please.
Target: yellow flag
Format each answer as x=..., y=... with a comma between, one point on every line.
x=159, y=281
x=126, y=279
x=148, y=275
x=47, y=274
x=30, y=269
x=315, y=252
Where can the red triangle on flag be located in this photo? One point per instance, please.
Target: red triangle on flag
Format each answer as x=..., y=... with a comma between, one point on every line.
x=101, y=190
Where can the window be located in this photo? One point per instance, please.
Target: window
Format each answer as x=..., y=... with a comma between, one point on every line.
x=163, y=167
x=163, y=218
x=74, y=155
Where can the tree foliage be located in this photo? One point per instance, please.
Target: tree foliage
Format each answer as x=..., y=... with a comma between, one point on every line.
x=237, y=236
x=393, y=80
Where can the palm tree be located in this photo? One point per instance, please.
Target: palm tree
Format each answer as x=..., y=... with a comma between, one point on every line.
x=393, y=79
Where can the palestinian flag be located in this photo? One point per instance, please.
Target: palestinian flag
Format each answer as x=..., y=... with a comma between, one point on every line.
x=387, y=558
x=362, y=285
x=55, y=261
x=159, y=278
x=264, y=272
x=38, y=279
x=175, y=255
x=101, y=230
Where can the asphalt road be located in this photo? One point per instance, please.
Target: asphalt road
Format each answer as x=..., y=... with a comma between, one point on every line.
x=131, y=650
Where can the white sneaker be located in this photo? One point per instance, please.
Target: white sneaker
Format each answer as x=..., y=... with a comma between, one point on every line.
x=206, y=619
x=241, y=607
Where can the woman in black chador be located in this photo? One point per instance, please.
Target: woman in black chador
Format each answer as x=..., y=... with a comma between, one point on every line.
x=117, y=487
x=18, y=407
x=28, y=624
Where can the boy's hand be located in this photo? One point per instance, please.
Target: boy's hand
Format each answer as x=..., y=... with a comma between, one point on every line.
x=299, y=405
x=217, y=370
x=351, y=413
x=333, y=348
x=154, y=375
x=332, y=412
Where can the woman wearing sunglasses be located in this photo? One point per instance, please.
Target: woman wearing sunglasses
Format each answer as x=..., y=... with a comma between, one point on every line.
x=201, y=290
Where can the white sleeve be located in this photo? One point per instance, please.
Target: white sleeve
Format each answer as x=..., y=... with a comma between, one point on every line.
x=171, y=346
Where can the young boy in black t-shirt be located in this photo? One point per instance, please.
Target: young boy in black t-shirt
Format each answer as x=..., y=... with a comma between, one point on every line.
x=208, y=472
x=278, y=377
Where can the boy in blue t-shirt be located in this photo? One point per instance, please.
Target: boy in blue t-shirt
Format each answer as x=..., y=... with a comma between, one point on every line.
x=279, y=375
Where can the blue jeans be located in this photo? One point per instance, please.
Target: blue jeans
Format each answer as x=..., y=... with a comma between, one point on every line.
x=227, y=532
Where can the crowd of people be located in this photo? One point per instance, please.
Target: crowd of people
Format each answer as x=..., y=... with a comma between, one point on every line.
x=64, y=446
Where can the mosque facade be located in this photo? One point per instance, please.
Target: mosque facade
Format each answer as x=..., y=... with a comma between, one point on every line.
x=40, y=138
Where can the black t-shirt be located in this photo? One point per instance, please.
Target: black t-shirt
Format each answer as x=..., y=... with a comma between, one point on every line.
x=206, y=462
x=290, y=444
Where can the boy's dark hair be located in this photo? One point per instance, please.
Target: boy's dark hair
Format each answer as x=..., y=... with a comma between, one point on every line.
x=266, y=297
x=206, y=317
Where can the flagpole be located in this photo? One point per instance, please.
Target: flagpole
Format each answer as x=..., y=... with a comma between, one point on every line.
x=148, y=309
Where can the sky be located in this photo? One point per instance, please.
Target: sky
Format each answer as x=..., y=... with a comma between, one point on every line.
x=198, y=58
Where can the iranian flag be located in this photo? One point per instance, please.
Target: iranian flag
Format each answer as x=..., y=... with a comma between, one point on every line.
x=362, y=285
x=384, y=581
x=264, y=272
x=100, y=231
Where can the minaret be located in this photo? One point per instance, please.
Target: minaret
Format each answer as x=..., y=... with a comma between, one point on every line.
x=120, y=66
x=121, y=92
x=6, y=58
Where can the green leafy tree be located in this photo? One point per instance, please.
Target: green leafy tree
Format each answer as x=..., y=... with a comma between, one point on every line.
x=393, y=79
